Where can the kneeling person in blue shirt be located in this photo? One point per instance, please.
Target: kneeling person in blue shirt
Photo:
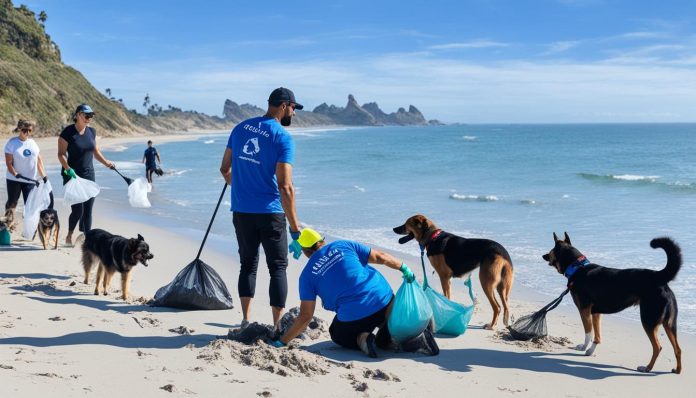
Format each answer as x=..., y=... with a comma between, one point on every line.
x=339, y=274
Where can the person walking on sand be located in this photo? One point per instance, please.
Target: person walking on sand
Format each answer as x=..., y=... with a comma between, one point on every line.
x=77, y=148
x=257, y=164
x=338, y=272
x=149, y=158
x=24, y=165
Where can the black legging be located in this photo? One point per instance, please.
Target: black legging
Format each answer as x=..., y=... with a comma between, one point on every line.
x=14, y=189
x=267, y=230
x=81, y=212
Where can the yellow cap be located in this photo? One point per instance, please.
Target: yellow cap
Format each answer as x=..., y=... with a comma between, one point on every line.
x=308, y=237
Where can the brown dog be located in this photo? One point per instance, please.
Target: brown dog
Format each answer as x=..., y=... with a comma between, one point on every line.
x=113, y=253
x=455, y=257
x=48, y=228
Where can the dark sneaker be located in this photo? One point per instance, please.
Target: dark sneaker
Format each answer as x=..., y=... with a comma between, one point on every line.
x=369, y=347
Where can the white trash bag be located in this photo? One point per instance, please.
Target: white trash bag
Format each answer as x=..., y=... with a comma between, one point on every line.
x=79, y=190
x=137, y=192
x=39, y=199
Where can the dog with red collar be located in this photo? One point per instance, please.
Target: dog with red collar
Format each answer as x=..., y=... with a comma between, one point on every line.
x=453, y=256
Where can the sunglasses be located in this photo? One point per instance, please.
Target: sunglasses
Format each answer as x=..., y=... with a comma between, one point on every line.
x=27, y=131
x=88, y=115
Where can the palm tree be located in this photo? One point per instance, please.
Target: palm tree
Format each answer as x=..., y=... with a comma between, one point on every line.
x=43, y=17
x=146, y=101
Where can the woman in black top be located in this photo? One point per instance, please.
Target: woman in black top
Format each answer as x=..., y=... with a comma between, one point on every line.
x=77, y=147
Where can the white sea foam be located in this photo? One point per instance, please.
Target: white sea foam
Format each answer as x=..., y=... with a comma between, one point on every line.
x=475, y=198
x=528, y=201
x=632, y=177
x=209, y=141
x=176, y=172
x=126, y=165
x=116, y=148
x=469, y=138
x=361, y=189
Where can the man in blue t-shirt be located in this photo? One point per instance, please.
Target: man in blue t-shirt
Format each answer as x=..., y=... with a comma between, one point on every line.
x=257, y=164
x=338, y=272
x=149, y=157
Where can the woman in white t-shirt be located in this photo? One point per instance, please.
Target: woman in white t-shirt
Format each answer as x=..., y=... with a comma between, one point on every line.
x=23, y=161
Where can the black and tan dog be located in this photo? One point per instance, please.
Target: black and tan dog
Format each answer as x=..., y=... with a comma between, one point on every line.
x=48, y=228
x=114, y=253
x=455, y=257
x=600, y=290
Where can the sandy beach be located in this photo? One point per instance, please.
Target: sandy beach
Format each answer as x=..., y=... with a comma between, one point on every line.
x=58, y=338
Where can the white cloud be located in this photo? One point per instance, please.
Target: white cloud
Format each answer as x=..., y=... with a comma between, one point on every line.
x=468, y=45
x=561, y=46
x=452, y=90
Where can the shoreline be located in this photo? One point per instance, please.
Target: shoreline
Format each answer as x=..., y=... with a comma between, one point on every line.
x=57, y=337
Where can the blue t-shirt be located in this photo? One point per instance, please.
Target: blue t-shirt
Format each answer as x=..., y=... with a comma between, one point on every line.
x=150, y=156
x=257, y=145
x=339, y=274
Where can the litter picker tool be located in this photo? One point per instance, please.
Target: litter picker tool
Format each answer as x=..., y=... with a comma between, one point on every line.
x=126, y=179
x=534, y=325
x=197, y=286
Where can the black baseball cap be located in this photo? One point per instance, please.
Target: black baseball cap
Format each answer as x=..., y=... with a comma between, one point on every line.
x=282, y=94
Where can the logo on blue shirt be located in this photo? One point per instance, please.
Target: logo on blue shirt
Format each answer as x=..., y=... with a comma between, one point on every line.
x=252, y=146
x=26, y=152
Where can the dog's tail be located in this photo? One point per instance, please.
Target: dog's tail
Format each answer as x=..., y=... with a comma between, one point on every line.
x=80, y=240
x=674, y=259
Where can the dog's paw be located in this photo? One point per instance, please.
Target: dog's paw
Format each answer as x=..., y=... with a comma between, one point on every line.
x=643, y=369
x=591, y=350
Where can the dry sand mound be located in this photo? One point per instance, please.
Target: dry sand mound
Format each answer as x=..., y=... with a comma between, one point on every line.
x=547, y=343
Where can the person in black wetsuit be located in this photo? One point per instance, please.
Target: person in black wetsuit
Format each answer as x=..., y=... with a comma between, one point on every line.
x=77, y=147
x=151, y=157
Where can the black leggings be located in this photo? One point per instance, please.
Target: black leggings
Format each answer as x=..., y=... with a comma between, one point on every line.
x=14, y=189
x=268, y=230
x=82, y=213
x=346, y=333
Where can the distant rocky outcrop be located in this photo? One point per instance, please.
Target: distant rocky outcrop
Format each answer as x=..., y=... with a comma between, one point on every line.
x=351, y=115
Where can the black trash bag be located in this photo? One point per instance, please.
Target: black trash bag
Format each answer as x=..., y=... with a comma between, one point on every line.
x=534, y=325
x=196, y=287
x=424, y=343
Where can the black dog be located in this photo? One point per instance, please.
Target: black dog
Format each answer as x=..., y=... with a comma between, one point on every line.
x=600, y=290
x=48, y=228
x=114, y=253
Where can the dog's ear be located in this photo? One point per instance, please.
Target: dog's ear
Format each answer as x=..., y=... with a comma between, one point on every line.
x=567, y=238
x=555, y=237
x=140, y=237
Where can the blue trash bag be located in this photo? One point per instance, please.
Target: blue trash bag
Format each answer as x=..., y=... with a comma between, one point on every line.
x=450, y=318
x=410, y=313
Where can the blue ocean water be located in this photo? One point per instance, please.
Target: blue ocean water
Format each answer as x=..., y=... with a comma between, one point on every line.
x=611, y=187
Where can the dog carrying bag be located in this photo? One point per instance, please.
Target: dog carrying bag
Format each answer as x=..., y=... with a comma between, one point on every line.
x=137, y=193
x=410, y=313
x=39, y=199
x=79, y=190
x=449, y=317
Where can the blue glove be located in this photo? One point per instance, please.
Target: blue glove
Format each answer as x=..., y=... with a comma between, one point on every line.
x=277, y=344
x=408, y=274
x=295, y=235
x=70, y=172
x=295, y=249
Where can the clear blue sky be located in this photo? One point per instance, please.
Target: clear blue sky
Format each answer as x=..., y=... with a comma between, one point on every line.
x=471, y=61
